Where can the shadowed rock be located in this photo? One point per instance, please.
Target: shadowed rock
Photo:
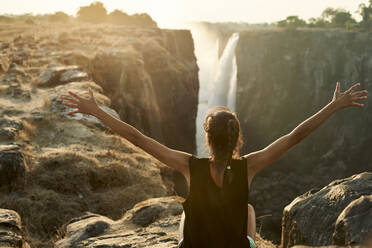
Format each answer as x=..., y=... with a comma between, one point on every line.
x=11, y=230
x=12, y=167
x=354, y=223
x=311, y=218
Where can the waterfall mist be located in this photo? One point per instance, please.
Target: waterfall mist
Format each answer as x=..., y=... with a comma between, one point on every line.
x=217, y=77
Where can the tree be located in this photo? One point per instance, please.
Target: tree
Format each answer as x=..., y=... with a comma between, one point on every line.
x=143, y=20
x=95, y=13
x=292, y=22
x=58, y=17
x=119, y=17
x=318, y=23
x=366, y=13
x=339, y=18
x=328, y=13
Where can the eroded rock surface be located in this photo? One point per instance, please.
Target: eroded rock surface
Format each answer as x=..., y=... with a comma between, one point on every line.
x=152, y=223
x=61, y=75
x=354, y=224
x=12, y=167
x=338, y=214
x=11, y=230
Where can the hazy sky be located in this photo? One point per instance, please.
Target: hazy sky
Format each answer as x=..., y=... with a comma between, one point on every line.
x=171, y=12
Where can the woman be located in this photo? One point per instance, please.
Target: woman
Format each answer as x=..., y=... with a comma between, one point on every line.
x=216, y=211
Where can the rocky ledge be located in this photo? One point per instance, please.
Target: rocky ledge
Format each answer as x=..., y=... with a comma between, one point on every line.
x=338, y=214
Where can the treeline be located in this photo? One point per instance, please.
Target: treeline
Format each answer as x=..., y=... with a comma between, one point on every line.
x=333, y=18
x=93, y=13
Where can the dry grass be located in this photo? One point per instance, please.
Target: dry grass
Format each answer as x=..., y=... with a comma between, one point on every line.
x=47, y=102
x=22, y=136
x=63, y=184
x=3, y=88
x=262, y=243
x=28, y=130
x=28, y=127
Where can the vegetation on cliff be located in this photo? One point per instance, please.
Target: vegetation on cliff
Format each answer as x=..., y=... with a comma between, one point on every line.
x=333, y=18
x=93, y=13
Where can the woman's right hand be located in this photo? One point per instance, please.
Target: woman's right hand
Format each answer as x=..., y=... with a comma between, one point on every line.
x=84, y=106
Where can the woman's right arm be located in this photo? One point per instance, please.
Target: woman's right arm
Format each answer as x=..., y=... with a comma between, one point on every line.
x=176, y=159
x=257, y=161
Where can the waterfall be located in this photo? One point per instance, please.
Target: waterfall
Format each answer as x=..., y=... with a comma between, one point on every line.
x=217, y=78
x=224, y=87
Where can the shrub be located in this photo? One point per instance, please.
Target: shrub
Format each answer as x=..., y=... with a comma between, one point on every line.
x=94, y=13
x=58, y=17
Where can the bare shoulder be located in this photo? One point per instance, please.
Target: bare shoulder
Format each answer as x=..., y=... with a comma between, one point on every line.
x=251, y=161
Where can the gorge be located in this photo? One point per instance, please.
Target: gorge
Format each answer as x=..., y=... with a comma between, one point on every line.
x=56, y=169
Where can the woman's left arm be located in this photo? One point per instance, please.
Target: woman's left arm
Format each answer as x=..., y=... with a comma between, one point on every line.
x=256, y=161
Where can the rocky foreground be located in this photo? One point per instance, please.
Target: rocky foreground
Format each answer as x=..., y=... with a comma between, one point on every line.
x=338, y=214
x=151, y=223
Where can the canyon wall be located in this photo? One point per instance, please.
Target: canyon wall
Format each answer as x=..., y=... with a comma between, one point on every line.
x=149, y=74
x=285, y=77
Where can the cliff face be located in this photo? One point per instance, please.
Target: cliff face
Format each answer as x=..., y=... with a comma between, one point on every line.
x=149, y=75
x=285, y=77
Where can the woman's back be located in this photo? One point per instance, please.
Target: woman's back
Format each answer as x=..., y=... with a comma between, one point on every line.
x=216, y=217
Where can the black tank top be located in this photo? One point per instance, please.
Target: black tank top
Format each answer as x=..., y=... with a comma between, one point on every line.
x=216, y=217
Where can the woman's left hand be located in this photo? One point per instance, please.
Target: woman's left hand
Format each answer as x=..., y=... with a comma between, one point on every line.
x=349, y=98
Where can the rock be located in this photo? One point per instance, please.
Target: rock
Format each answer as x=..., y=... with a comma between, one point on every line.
x=12, y=167
x=284, y=78
x=354, y=223
x=70, y=76
x=4, y=45
x=61, y=75
x=7, y=133
x=146, y=212
x=4, y=63
x=11, y=229
x=329, y=246
x=80, y=88
x=160, y=216
x=16, y=69
x=15, y=90
x=85, y=227
x=329, y=215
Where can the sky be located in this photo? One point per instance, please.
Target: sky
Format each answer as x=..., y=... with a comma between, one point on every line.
x=168, y=13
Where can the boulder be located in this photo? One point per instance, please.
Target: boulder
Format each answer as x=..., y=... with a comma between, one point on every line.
x=354, y=223
x=152, y=223
x=11, y=230
x=338, y=213
x=12, y=167
x=61, y=75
